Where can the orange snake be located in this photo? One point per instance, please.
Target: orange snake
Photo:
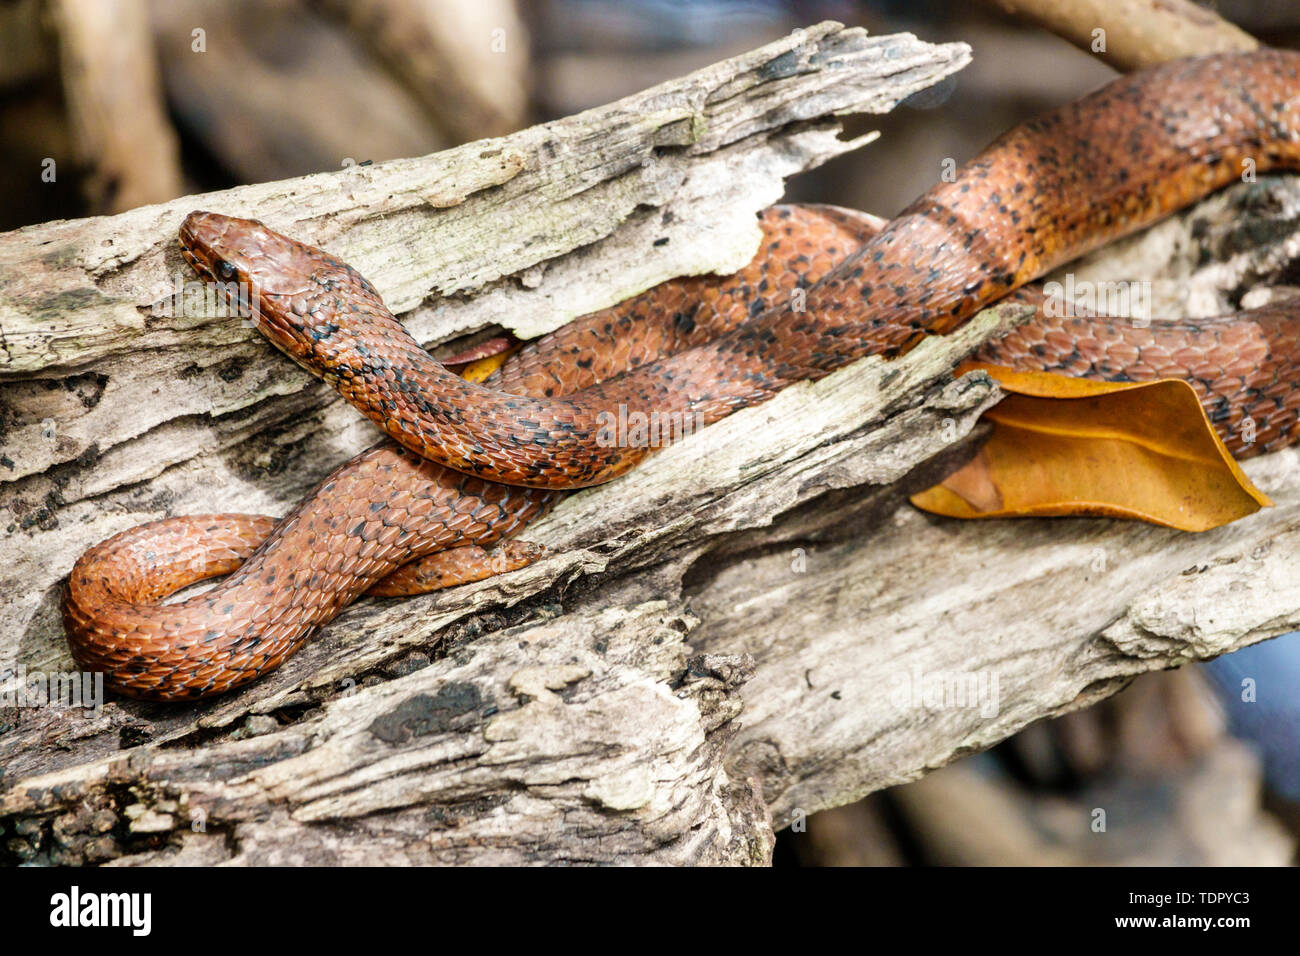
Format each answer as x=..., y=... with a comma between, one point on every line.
x=468, y=465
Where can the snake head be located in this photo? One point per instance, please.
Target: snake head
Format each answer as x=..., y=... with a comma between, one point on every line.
x=274, y=281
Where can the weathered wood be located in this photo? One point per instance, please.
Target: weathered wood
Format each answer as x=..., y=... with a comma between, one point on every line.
x=299, y=94
x=125, y=141
x=1130, y=34
x=718, y=641
x=465, y=61
x=117, y=411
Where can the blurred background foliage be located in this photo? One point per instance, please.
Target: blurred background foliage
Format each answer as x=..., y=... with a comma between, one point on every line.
x=110, y=104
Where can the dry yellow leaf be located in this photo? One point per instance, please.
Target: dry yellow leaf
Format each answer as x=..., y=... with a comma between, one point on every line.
x=477, y=371
x=1070, y=446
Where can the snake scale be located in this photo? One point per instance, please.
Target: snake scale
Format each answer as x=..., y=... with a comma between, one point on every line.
x=468, y=465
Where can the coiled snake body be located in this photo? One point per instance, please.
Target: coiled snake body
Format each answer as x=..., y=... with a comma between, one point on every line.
x=468, y=465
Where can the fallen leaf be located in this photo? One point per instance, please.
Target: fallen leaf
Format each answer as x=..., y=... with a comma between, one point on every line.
x=477, y=371
x=1070, y=446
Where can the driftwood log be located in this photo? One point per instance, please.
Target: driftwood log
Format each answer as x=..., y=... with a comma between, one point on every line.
x=1129, y=34
x=752, y=626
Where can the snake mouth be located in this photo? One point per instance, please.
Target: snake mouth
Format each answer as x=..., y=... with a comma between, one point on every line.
x=201, y=234
x=194, y=247
x=195, y=263
x=237, y=293
x=282, y=334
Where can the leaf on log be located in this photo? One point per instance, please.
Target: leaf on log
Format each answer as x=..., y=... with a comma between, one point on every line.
x=1070, y=446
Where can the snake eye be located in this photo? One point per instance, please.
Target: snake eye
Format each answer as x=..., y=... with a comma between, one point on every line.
x=225, y=269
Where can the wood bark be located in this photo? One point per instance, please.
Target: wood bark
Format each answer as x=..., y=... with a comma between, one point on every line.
x=741, y=631
x=301, y=93
x=1129, y=34
x=466, y=61
x=115, y=103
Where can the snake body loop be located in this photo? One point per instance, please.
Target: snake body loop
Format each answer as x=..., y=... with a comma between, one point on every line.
x=471, y=464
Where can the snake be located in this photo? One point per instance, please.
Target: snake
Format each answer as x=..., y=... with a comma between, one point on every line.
x=465, y=466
